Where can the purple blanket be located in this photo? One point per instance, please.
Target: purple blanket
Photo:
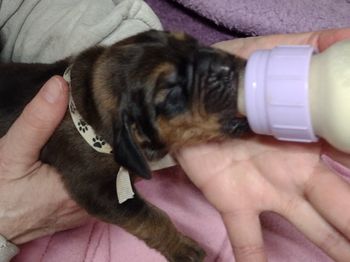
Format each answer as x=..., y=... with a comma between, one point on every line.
x=215, y=20
x=177, y=18
x=274, y=16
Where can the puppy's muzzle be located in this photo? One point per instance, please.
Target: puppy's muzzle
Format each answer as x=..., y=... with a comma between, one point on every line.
x=216, y=76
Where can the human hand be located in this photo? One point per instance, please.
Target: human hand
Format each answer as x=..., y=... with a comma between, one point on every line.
x=33, y=201
x=244, y=177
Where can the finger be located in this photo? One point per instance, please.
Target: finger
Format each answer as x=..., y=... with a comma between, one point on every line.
x=310, y=223
x=328, y=37
x=321, y=40
x=244, y=47
x=245, y=234
x=329, y=194
x=330, y=155
x=30, y=132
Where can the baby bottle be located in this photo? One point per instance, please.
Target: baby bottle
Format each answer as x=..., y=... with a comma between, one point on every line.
x=295, y=94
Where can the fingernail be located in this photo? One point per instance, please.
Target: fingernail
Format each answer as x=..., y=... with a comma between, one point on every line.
x=52, y=90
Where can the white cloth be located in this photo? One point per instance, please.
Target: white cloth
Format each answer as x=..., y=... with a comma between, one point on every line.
x=7, y=250
x=49, y=30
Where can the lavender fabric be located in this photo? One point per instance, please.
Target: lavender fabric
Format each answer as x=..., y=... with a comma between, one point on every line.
x=258, y=17
x=193, y=215
x=213, y=21
x=176, y=17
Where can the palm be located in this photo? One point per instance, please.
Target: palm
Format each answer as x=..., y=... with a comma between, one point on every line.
x=256, y=167
x=245, y=177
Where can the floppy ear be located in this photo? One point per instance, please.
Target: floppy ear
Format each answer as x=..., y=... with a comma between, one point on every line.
x=127, y=153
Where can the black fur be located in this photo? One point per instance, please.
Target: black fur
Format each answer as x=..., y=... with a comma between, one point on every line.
x=145, y=95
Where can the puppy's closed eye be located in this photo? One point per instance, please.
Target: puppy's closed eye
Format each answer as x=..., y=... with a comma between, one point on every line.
x=146, y=95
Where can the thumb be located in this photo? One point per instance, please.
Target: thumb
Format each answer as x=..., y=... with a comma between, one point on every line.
x=33, y=128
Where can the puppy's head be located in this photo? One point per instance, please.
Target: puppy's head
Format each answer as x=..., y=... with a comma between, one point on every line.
x=169, y=91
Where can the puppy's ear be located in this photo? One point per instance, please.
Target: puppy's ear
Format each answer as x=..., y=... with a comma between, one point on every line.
x=127, y=153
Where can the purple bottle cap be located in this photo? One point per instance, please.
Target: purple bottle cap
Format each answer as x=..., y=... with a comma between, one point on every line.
x=276, y=93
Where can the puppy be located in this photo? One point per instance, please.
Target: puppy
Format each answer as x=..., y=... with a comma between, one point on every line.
x=146, y=96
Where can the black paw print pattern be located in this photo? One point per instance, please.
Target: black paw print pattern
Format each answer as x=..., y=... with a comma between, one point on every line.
x=72, y=107
x=83, y=127
x=98, y=142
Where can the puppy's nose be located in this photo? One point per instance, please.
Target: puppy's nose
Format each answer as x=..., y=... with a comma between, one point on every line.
x=219, y=71
x=218, y=64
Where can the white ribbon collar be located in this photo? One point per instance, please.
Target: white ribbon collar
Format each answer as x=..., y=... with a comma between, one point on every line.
x=123, y=183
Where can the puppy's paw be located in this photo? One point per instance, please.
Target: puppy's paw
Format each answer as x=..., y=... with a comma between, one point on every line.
x=188, y=251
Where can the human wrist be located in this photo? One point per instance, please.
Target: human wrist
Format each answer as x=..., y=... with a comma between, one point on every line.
x=10, y=230
x=7, y=249
x=14, y=221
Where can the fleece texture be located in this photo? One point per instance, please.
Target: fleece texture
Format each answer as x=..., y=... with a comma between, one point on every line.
x=257, y=17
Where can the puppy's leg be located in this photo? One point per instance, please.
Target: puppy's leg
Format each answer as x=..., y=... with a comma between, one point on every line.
x=154, y=227
x=97, y=194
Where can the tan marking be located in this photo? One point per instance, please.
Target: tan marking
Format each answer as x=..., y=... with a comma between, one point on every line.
x=164, y=68
x=102, y=91
x=139, y=138
x=179, y=36
x=161, y=95
x=189, y=129
x=161, y=71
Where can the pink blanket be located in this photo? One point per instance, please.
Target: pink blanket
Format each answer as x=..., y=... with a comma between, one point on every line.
x=171, y=191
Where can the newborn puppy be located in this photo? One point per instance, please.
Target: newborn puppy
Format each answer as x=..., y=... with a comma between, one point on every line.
x=147, y=95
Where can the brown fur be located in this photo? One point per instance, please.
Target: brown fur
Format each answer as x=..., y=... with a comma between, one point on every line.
x=145, y=96
x=179, y=36
x=189, y=129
